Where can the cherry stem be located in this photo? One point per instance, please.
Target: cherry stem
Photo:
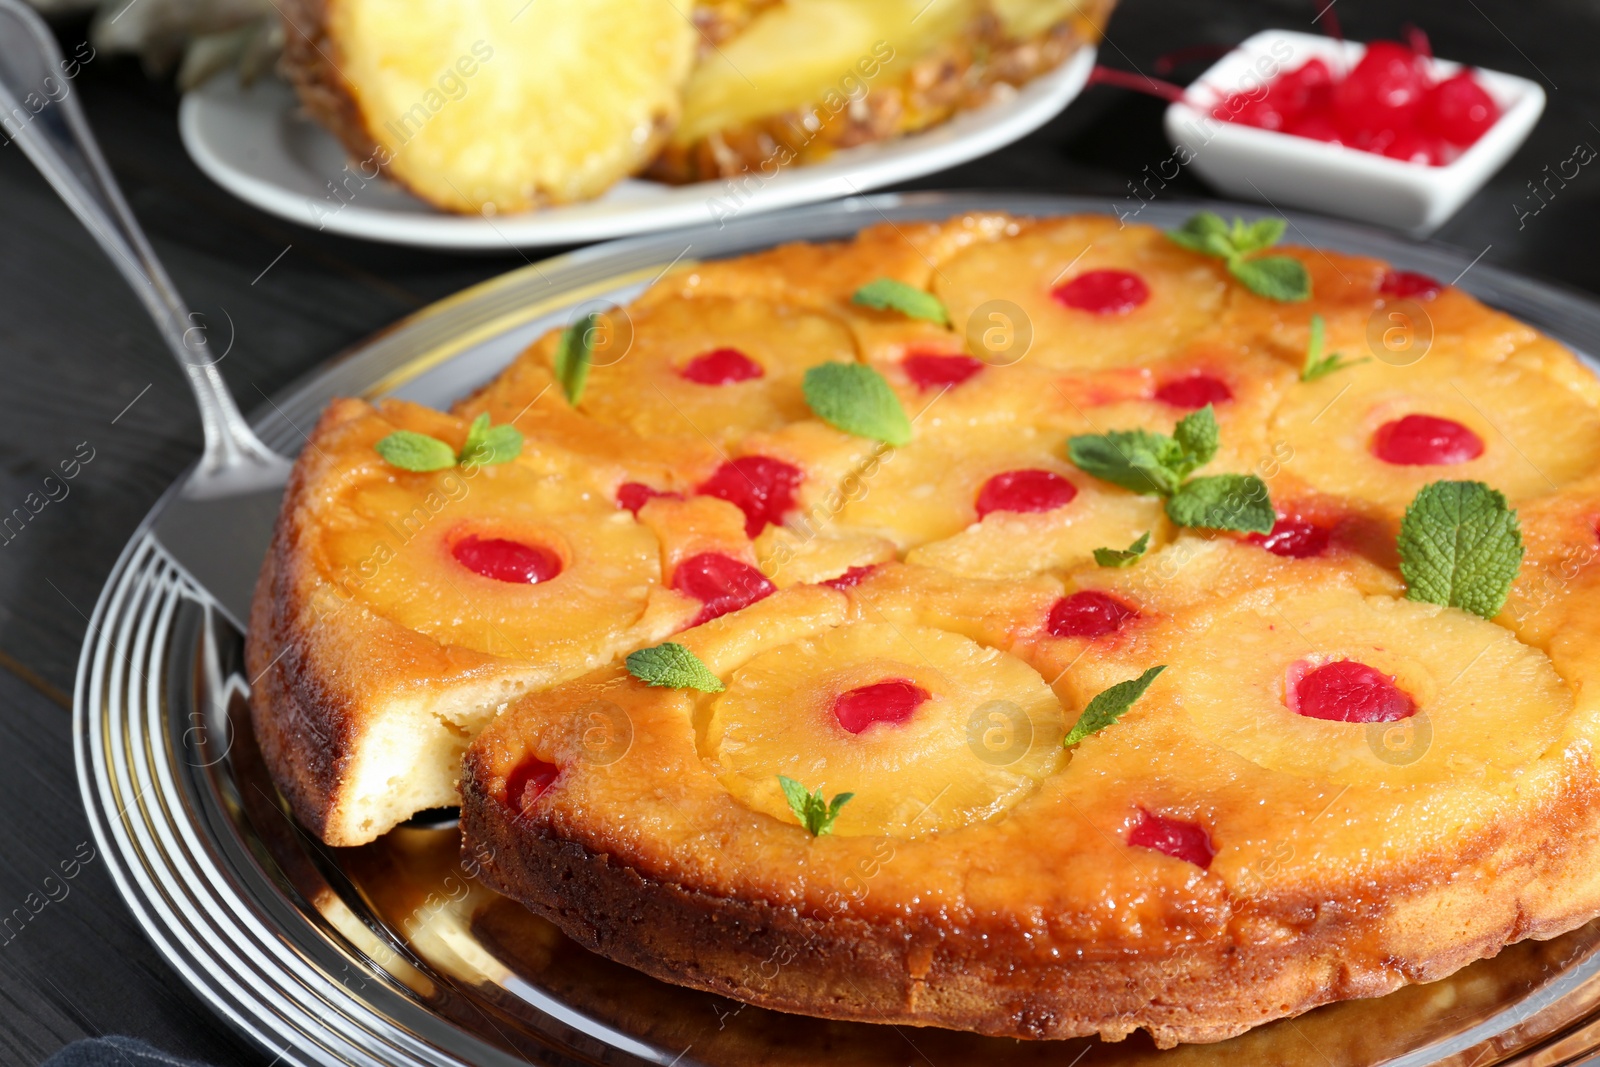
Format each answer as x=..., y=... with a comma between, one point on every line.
x=1179, y=56
x=1139, y=83
x=1418, y=40
x=1329, y=21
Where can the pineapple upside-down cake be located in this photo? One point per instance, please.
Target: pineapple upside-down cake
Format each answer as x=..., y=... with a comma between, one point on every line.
x=1035, y=627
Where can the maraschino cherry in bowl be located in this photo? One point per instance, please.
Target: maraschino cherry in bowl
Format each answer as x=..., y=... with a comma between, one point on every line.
x=1466, y=132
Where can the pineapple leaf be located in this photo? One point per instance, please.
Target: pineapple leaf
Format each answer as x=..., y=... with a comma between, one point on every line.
x=673, y=665
x=574, y=354
x=815, y=814
x=1109, y=706
x=888, y=294
x=1460, y=545
x=1123, y=557
x=856, y=399
x=1223, y=502
x=414, y=451
x=488, y=445
x=1317, y=364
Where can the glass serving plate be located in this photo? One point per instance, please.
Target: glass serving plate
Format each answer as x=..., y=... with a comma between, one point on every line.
x=392, y=954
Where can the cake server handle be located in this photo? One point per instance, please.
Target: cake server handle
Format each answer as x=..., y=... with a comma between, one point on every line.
x=39, y=112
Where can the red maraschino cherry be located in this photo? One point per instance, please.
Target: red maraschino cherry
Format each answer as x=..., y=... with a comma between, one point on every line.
x=1426, y=441
x=892, y=702
x=1194, y=391
x=528, y=780
x=1088, y=613
x=939, y=370
x=1025, y=491
x=850, y=578
x=760, y=486
x=1346, y=691
x=506, y=561
x=1406, y=284
x=1459, y=110
x=635, y=495
x=1181, y=840
x=1103, y=292
x=721, y=366
x=721, y=583
x=1293, y=538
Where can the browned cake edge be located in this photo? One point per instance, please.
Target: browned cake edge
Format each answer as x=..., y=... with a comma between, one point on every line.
x=927, y=972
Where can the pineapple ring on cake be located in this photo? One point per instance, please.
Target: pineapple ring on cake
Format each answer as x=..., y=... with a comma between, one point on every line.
x=715, y=367
x=1237, y=673
x=1091, y=294
x=1380, y=432
x=600, y=568
x=884, y=712
x=377, y=654
x=500, y=106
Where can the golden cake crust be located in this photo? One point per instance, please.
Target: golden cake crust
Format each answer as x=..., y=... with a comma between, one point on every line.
x=996, y=890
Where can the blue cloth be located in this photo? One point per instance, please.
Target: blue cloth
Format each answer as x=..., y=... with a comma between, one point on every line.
x=114, y=1052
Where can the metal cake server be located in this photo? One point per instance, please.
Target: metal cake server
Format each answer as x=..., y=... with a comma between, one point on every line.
x=218, y=524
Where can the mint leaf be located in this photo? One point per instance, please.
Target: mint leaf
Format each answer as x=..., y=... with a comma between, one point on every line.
x=414, y=451
x=1204, y=233
x=488, y=445
x=1460, y=545
x=1123, y=557
x=814, y=813
x=1197, y=435
x=855, y=398
x=1108, y=707
x=887, y=294
x=1252, y=237
x=574, y=354
x=1316, y=364
x=1223, y=502
x=675, y=666
x=1140, y=460
x=1274, y=277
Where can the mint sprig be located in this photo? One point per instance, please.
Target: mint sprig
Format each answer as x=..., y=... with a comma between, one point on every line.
x=1109, y=706
x=857, y=399
x=1223, y=502
x=815, y=814
x=888, y=294
x=673, y=666
x=1280, y=278
x=1155, y=464
x=1317, y=364
x=1123, y=557
x=414, y=451
x=574, y=355
x=1460, y=545
x=485, y=445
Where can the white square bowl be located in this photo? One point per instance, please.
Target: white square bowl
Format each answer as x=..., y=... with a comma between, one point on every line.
x=1249, y=163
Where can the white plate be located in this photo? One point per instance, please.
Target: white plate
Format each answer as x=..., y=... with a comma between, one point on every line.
x=1288, y=171
x=259, y=145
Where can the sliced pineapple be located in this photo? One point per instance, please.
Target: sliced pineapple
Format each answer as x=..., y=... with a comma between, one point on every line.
x=1537, y=430
x=1015, y=277
x=1485, y=703
x=789, y=557
x=987, y=731
x=498, y=106
x=748, y=355
x=391, y=539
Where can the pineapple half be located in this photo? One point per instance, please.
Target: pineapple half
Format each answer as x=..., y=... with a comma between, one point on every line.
x=795, y=81
x=495, y=106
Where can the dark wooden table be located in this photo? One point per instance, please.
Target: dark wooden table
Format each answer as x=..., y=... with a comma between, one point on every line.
x=84, y=375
